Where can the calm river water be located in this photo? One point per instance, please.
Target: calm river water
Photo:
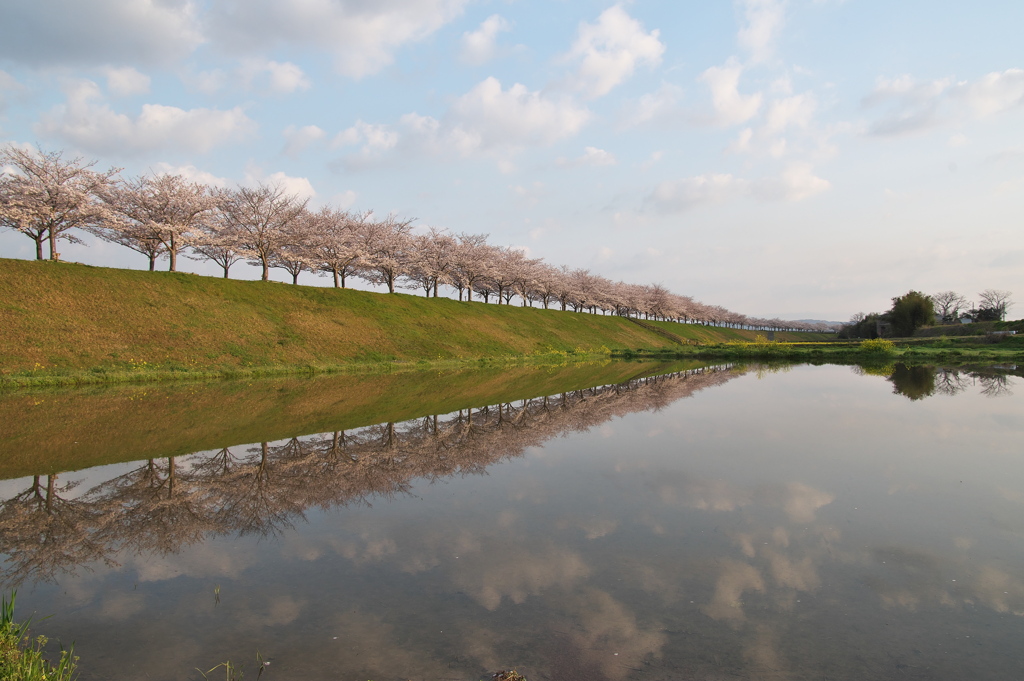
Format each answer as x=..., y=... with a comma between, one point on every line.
x=813, y=522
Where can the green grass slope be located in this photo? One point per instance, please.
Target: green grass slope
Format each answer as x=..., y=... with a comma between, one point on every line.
x=63, y=317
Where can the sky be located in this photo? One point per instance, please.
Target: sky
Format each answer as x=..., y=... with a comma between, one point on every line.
x=791, y=158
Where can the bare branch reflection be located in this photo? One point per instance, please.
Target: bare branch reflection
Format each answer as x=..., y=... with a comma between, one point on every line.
x=164, y=505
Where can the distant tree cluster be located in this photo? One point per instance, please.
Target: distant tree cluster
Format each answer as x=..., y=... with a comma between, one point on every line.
x=48, y=198
x=913, y=310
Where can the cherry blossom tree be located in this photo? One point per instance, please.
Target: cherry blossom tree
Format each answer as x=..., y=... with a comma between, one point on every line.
x=386, y=248
x=432, y=260
x=217, y=239
x=335, y=245
x=165, y=209
x=261, y=217
x=45, y=196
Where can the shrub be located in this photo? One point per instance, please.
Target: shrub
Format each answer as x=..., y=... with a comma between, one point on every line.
x=877, y=346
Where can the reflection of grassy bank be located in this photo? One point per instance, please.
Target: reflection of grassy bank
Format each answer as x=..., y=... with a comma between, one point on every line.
x=47, y=431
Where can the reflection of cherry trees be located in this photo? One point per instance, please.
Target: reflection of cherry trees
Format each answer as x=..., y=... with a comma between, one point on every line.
x=153, y=508
x=164, y=505
x=42, y=533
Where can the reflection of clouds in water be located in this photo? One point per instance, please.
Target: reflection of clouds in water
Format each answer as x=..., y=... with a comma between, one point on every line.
x=365, y=644
x=282, y=610
x=801, y=574
x=489, y=567
x=999, y=590
x=607, y=634
x=515, y=572
x=592, y=527
x=913, y=579
x=201, y=561
x=736, y=578
x=761, y=651
x=121, y=606
x=797, y=500
x=679, y=489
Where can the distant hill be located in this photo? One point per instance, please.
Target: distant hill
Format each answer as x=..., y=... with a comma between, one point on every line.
x=819, y=321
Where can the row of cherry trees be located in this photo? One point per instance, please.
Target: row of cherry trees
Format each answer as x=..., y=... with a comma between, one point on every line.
x=50, y=198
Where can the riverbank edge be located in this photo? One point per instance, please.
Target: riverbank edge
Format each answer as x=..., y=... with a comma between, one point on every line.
x=914, y=352
x=62, y=378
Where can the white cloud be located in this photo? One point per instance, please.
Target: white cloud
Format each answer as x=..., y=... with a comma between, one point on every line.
x=530, y=194
x=479, y=46
x=298, y=139
x=278, y=78
x=207, y=82
x=8, y=84
x=731, y=107
x=126, y=81
x=344, y=200
x=363, y=36
x=372, y=137
x=88, y=122
x=993, y=93
x=662, y=105
x=912, y=106
x=299, y=186
x=763, y=19
x=796, y=183
x=796, y=112
x=610, y=50
x=191, y=173
x=494, y=117
x=674, y=196
x=592, y=156
x=486, y=119
x=77, y=33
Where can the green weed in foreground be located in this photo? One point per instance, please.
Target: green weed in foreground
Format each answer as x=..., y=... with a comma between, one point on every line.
x=21, y=658
x=233, y=672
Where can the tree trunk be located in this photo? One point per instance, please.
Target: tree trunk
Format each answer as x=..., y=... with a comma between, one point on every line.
x=39, y=248
x=266, y=269
x=334, y=270
x=173, y=250
x=295, y=278
x=152, y=262
x=226, y=270
x=54, y=255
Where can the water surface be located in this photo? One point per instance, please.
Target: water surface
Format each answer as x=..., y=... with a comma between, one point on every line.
x=710, y=523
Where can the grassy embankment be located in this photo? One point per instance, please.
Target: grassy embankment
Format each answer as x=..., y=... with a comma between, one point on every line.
x=64, y=323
